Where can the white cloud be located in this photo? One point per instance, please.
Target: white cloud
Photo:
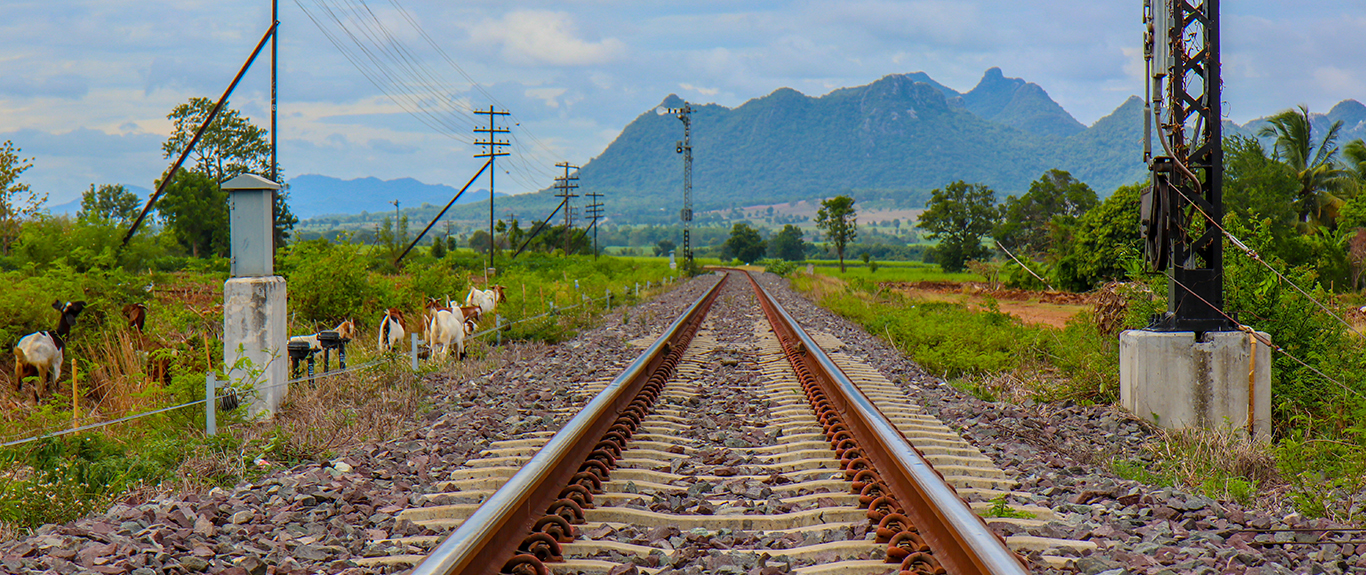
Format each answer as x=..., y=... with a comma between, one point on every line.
x=538, y=37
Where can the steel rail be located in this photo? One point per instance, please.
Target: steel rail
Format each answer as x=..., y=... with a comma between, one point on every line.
x=485, y=541
x=960, y=540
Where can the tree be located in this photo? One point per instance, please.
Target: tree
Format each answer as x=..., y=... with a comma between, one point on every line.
x=479, y=241
x=787, y=244
x=840, y=223
x=1321, y=180
x=230, y=146
x=664, y=247
x=109, y=204
x=1045, y=215
x=1260, y=189
x=1355, y=154
x=17, y=201
x=438, y=248
x=744, y=243
x=1105, y=237
x=958, y=216
x=195, y=211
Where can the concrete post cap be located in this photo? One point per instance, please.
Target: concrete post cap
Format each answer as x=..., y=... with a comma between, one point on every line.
x=249, y=182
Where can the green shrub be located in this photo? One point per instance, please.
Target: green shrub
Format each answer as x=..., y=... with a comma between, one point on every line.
x=779, y=267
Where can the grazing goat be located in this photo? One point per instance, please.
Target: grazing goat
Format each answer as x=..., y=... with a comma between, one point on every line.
x=345, y=329
x=446, y=329
x=487, y=299
x=136, y=314
x=390, y=329
x=42, y=351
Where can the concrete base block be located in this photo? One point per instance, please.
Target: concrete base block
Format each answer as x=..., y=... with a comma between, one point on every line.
x=255, y=336
x=1177, y=382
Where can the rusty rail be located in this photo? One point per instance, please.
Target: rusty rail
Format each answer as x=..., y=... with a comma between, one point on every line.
x=536, y=499
x=916, y=510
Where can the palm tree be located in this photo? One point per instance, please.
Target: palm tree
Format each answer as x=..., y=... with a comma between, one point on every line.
x=1355, y=153
x=1322, y=182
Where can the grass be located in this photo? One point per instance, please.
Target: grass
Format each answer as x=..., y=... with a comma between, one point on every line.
x=1220, y=463
x=987, y=353
x=893, y=272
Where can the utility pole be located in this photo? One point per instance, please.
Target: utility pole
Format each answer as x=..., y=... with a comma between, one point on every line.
x=397, y=241
x=594, y=210
x=491, y=151
x=274, y=57
x=565, y=186
x=684, y=147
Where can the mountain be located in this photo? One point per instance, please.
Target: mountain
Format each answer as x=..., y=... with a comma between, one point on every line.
x=903, y=132
x=1023, y=105
x=313, y=195
x=1351, y=113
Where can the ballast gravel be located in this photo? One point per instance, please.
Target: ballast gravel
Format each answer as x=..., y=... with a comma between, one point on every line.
x=1060, y=452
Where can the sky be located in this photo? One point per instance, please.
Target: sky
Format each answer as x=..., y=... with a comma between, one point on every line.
x=85, y=85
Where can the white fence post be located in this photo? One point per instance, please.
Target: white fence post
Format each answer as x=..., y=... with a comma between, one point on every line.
x=412, y=351
x=210, y=404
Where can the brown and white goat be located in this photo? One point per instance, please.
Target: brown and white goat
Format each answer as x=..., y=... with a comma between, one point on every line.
x=42, y=352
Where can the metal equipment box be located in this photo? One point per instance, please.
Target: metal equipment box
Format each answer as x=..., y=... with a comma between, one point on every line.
x=251, y=207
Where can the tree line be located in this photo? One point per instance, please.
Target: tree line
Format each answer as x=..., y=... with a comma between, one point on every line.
x=192, y=210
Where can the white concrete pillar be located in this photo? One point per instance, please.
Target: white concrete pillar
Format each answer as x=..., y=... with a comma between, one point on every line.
x=1176, y=381
x=254, y=339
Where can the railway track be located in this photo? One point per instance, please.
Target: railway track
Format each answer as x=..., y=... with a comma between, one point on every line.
x=736, y=441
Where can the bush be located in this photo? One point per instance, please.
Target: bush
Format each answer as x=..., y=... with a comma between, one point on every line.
x=779, y=267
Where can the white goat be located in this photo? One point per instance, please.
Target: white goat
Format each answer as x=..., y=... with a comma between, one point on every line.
x=390, y=329
x=43, y=351
x=487, y=300
x=446, y=328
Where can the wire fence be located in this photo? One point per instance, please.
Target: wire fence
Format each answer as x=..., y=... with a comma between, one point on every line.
x=213, y=396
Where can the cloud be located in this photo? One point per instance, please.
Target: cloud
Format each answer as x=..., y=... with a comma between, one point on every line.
x=700, y=90
x=537, y=37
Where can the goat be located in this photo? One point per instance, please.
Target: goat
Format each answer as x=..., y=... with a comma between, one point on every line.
x=390, y=329
x=446, y=328
x=136, y=314
x=487, y=300
x=472, y=315
x=43, y=351
x=345, y=329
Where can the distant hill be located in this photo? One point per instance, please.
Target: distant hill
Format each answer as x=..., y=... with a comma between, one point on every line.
x=890, y=141
x=312, y=195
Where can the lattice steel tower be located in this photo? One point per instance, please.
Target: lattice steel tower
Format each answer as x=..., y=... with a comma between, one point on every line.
x=1182, y=211
x=684, y=147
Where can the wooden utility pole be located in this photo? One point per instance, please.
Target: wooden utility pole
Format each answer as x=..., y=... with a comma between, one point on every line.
x=491, y=151
x=566, y=185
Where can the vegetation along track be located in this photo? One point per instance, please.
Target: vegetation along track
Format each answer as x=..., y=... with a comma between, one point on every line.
x=733, y=443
